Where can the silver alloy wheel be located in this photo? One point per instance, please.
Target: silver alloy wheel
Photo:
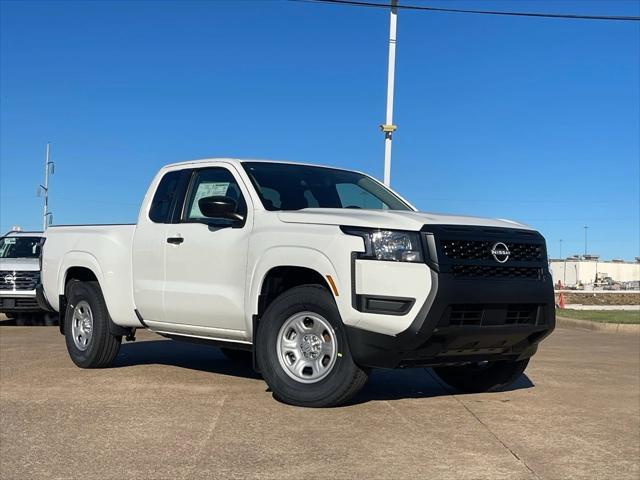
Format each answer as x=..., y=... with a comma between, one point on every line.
x=82, y=325
x=307, y=347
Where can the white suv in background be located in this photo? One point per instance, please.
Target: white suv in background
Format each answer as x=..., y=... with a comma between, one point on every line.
x=19, y=273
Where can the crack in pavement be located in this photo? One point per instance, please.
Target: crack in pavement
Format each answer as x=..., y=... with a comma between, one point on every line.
x=198, y=454
x=493, y=434
x=401, y=415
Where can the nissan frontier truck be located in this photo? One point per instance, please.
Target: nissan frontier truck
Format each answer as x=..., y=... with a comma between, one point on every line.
x=318, y=274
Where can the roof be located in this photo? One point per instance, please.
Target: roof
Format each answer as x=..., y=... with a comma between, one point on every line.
x=239, y=161
x=12, y=233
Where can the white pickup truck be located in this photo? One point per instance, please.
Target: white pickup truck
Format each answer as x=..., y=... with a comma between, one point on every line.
x=318, y=274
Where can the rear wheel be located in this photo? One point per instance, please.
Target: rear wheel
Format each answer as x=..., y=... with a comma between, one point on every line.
x=482, y=376
x=302, y=350
x=86, y=327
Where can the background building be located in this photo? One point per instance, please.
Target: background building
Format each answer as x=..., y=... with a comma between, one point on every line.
x=589, y=270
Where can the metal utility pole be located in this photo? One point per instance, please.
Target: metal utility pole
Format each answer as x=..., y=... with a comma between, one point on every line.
x=560, y=250
x=388, y=127
x=585, y=240
x=48, y=169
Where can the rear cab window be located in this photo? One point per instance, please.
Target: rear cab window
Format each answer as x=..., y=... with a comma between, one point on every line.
x=169, y=196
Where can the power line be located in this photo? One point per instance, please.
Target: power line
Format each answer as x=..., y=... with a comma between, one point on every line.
x=476, y=12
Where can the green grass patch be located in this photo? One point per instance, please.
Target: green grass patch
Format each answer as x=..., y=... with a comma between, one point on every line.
x=602, y=316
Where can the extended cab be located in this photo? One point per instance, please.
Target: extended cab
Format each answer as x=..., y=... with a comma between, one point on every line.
x=319, y=274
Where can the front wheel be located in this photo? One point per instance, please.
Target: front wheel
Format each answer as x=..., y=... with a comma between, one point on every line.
x=482, y=376
x=86, y=327
x=302, y=350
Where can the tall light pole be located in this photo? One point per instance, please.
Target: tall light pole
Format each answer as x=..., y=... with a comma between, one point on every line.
x=560, y=249
x=585, y=239
x=388, y=127
x=48, y=169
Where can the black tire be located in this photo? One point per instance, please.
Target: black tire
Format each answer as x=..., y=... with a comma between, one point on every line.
x=344, y=379
x=238, y=356
x=103, y=345
x=476, y=378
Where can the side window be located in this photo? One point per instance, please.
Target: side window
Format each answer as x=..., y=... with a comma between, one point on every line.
x=161, y=204
x=353, y=196
x=213, y=182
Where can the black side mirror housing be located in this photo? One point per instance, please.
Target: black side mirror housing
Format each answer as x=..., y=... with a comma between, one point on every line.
x=220, y=207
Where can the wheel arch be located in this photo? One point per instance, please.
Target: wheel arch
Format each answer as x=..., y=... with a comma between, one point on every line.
x=79, y=266
x=80, y=273
x=280, y=269
x=281, y=278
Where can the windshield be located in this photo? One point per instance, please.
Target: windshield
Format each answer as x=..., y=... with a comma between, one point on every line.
x=284, y=186
x=19, y=247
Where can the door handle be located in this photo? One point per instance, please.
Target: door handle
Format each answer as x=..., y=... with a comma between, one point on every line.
x=175, y=240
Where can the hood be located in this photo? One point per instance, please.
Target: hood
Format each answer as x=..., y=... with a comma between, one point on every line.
x=20, y=264
x=392, y=219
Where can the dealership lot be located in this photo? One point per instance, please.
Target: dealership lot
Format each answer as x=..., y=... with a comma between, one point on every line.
x=175, y=410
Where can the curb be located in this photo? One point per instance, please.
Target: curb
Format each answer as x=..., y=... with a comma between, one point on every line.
x=620, y=328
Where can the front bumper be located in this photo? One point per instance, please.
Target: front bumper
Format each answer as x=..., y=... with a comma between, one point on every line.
x=16, y=302
x=478, y=307
x=464, y=321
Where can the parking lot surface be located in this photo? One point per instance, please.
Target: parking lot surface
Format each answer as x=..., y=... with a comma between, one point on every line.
x=171, y=410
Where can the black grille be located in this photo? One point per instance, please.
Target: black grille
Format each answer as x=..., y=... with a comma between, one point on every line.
x=484, y=271
x=465, y=315
x=521, y=315
x=14, y=280
x=466, y=252
x=481, y=250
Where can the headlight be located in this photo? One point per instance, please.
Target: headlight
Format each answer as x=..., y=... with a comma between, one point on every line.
x=389, y=245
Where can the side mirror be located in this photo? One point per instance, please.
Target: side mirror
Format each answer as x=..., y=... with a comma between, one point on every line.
x=220, y=207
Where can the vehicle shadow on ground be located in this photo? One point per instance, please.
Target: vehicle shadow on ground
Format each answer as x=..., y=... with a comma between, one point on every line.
x=382, y=384
x=415, y=383
x=30, y=321
x=187, y=355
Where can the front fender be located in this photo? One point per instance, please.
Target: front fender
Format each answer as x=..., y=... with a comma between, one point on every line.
x=306, y=257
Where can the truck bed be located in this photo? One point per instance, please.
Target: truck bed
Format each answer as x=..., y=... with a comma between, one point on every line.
x=106, y=250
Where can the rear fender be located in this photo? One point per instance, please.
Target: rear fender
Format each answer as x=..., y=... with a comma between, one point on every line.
x=78, y=259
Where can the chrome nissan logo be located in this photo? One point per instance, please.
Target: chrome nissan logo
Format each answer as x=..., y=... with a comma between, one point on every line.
x=500, y=252
x=10, y=279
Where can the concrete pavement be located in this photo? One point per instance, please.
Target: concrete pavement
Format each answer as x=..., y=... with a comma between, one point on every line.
x=172, y=410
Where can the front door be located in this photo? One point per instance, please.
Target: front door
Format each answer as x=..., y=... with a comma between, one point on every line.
x=206, y=259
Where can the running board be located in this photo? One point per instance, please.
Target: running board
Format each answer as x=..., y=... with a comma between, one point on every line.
x=214, y=342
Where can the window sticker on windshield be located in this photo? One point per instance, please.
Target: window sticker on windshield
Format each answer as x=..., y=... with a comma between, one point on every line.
x=207, y=189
